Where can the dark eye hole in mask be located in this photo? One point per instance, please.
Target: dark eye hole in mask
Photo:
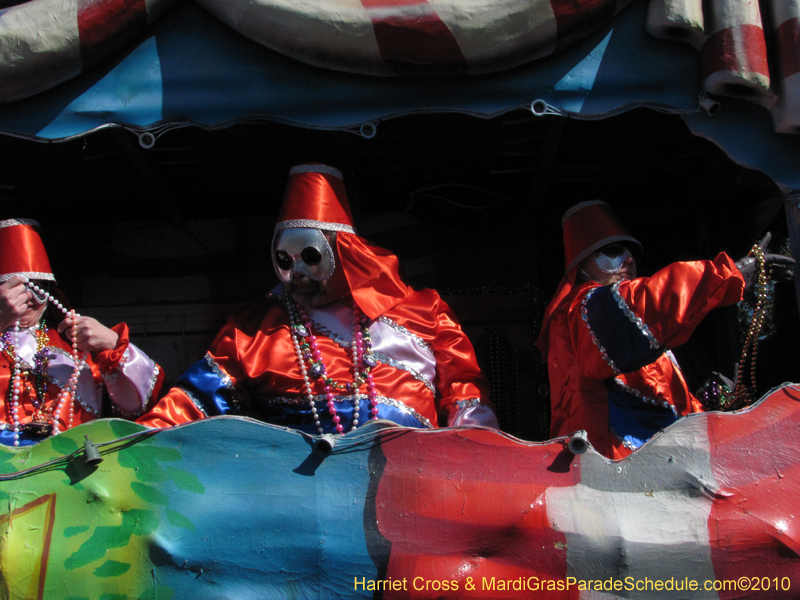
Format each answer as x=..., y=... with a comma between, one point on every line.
x=613, y=250
x=311, y=256
x=284, y=261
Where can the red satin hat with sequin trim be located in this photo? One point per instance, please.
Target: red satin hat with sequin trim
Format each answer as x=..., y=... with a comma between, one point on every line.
x=589, y=226
x=22, y=251
x=316, y=198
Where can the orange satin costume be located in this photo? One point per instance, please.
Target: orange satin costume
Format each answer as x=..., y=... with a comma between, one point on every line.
x=124, y=377
x=607, y=348
x=422, y=367
x=426, y=368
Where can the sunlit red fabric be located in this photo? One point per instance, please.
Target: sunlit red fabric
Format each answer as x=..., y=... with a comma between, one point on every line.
x=492, y=522
x=672, y=303
x=22, y=250
x=255, y=350
x=372, y=274
x=754, y=525
x=317, y=197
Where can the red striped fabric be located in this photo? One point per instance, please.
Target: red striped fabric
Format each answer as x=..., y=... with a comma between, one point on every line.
x=414, y=42
x=108, y=25
x=740, y=49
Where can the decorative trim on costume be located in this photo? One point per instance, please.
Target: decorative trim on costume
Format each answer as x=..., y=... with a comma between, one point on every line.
x=397, y=327
x=654, y=344
x=317, y=168
x=29, y=275
x=62, y=384
x=621, y=336
x=312, y=224
x=296, y=400
x=600, y=348
x=644, y=398
x=225, y=378
x=152, y=386
x=627, y=443
x=466, y=403
x=13, y=222
x=198, y=404
x=380, y=357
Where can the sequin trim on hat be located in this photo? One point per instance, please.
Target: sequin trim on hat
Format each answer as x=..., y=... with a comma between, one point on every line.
x=312, y=224
x=317, y=169
x=29, y=275
x=12, y=222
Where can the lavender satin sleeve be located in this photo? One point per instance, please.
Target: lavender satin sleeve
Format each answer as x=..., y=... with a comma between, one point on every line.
x=131, y=386
x=466, y=413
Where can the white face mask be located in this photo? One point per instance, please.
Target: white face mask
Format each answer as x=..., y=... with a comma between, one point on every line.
x=610, y=259
x=302, y=250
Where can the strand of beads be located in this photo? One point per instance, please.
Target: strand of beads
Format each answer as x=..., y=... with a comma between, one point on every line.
x=69, y=392
x=16, y=387
x=298, y=331
x=741, y=394
x=308, y=353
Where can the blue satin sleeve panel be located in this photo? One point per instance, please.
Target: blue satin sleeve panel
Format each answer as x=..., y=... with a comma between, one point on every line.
x=634, y=420
x=618, y=333
x=209, y=389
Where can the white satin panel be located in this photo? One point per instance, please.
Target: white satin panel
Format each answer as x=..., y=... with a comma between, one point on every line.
x=387, y=340
x=130, y=387
x=465, y=416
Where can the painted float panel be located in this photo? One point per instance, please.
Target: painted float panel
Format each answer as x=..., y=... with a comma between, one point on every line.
x=233, y=508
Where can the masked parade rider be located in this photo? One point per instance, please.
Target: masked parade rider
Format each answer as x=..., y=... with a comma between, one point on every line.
x=340, y=341
x=607, y=334
x=58, y=367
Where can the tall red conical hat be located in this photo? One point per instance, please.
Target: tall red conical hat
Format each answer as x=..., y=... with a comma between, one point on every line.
x=589, y=226
x=22, y=251
x=315, y=197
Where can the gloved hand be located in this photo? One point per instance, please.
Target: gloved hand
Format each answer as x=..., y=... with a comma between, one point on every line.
x=778, y=266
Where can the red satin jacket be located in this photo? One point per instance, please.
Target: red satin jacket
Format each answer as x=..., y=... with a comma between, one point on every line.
x=607, y=349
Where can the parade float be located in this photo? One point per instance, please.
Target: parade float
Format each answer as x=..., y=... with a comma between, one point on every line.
x=233, y=508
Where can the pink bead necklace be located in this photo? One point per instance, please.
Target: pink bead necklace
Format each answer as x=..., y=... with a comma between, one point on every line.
x=312, y=366
x=68, y=393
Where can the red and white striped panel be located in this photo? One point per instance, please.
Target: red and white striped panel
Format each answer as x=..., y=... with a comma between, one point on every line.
x=403, y=37
x=45, y=42
x=733, y=49
x=786, y=35
x=711, y=499
x=734, y=57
